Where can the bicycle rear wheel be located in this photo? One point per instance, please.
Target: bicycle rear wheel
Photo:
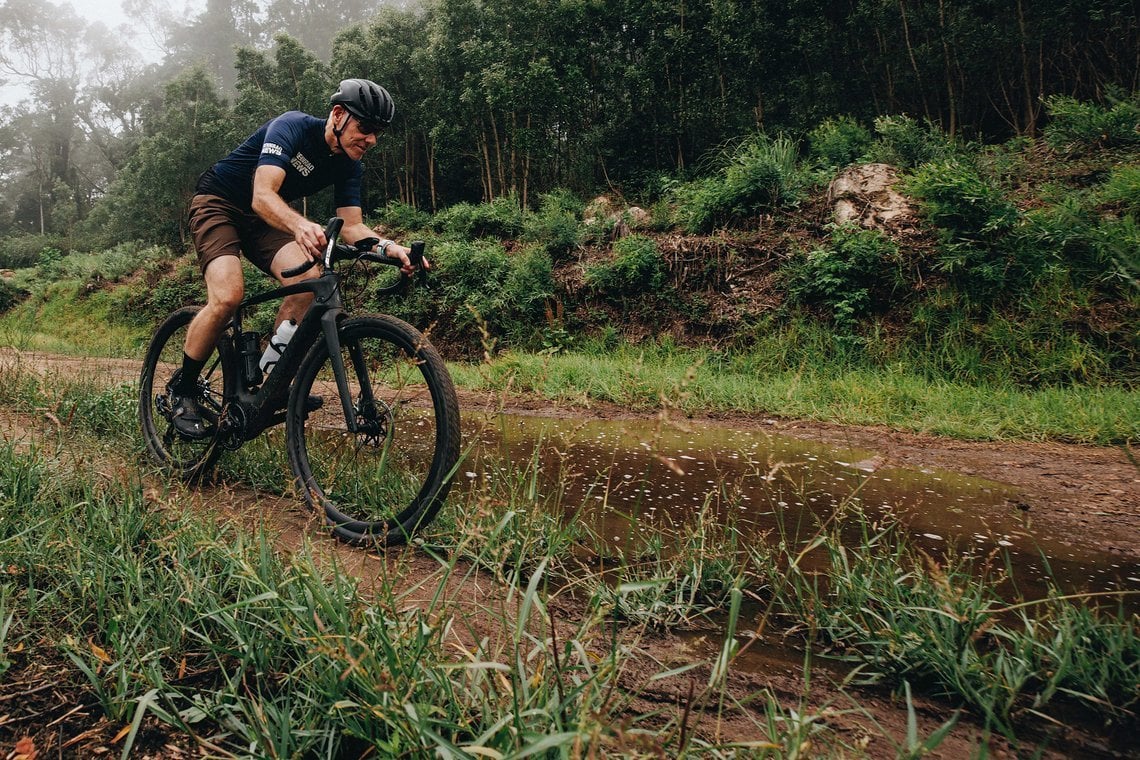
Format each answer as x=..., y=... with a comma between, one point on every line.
x=389, y=478
x=190, y=459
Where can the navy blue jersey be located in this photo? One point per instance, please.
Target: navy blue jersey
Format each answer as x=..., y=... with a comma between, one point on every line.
x=296, y=142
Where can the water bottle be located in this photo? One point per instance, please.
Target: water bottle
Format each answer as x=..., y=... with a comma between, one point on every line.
x=277, y=343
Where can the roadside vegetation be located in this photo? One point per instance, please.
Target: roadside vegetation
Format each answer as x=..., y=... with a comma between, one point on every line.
x=1004, y=305
x=512, y=628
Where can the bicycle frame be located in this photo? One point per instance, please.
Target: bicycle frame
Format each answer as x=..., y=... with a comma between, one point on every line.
x=320, y=321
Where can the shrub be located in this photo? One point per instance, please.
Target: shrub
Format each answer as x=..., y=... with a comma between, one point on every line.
x=1119, y=240
x=637, y=267
x=23, y=251
x=402, y=216
x=974, y=220
x=1074, y=126
x=501, y=218
x=1121, y=189
x=838, y=142
x=904, y=142
x=852, y=277
x=761, y=174
x=10, y=294
x=556, y=224
x=50, y=265
x=480, y=285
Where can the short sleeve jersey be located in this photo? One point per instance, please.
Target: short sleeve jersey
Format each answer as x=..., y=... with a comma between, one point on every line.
x=295, y=142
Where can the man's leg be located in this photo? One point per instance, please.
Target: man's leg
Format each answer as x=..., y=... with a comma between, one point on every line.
x=292, y=307
x=224, y=289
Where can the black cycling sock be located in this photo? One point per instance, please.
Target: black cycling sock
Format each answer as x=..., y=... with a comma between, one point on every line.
x=188, y=380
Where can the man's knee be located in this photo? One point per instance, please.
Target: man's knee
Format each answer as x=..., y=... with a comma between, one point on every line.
x=225, y=285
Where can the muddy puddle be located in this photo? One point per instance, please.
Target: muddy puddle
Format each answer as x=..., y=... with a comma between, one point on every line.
x=630, y=480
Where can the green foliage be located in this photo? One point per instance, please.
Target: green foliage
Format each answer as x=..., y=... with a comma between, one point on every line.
x=974, y=220
x=902, y=141
x=1121, y=190
x=853, y=277
x=760, y=174
x=404, y=217
x=148, y=199
x=557, y=223
x=19, y=251
x=637, y=269
x=501, y=218
x=1119, y=239
x=1075, y=126
x=182, y=286
x=480, y=287
x=10, y=294
x=50, y=264
x=838, y=141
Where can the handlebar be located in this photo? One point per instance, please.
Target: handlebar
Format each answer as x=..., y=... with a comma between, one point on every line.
x=362, y=250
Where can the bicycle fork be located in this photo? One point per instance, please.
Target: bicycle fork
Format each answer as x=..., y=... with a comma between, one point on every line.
x=329, y=324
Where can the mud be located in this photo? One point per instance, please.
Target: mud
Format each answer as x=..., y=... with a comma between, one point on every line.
x=1090, y=495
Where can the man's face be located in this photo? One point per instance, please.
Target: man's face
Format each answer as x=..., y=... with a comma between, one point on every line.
x=357, y=136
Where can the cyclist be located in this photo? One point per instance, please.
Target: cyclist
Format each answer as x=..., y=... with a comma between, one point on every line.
x=241, y=207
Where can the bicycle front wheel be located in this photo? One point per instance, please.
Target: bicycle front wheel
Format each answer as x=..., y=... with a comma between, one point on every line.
x=378, y=483
x=190, y=459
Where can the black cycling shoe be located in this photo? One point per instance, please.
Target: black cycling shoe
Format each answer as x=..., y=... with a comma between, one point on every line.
x=188, y=418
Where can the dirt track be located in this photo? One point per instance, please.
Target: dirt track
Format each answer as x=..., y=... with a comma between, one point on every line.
x=1089, y=494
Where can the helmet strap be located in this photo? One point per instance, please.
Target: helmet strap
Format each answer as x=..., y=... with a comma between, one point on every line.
x=338, y=132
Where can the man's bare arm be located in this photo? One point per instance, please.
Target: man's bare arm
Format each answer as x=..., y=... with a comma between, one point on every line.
x=270, y=206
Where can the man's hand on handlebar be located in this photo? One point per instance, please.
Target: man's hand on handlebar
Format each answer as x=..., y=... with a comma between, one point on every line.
x=311, y=238
x=396, y=251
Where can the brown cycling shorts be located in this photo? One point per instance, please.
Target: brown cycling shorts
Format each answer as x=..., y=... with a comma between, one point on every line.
x=220, y=228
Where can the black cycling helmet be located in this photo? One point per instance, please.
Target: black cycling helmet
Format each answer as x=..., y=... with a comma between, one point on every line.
x=365, y=100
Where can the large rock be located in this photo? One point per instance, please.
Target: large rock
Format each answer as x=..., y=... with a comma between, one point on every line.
x=865, y=195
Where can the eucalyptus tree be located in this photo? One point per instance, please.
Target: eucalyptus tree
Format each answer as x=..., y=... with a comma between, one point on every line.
x=389, y=50
x=38, y=47
x=188, y=132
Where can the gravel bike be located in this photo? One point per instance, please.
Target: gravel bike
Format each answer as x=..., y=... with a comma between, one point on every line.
x=377, y=457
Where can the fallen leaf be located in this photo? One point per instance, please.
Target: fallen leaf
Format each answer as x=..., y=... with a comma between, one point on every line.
x=99, y=652
x=25, y=749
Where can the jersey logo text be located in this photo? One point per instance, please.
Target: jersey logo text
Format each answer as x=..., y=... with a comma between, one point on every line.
x=302, y=164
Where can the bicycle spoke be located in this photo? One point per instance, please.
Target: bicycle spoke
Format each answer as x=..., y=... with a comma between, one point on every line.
x=378, y=471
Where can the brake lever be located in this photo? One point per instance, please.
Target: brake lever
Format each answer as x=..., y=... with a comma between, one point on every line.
x=416, y=258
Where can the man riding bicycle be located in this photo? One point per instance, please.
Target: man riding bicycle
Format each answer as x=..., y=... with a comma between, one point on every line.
x=241, y=207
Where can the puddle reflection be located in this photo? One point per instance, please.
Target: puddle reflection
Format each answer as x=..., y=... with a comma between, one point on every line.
x=631, y=479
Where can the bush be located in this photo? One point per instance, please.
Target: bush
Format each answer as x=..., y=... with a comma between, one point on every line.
x=838, y=142
x=904, y=142
x=10, y=294
x=480, y=285
x=761, y=174
x=23, y=251
x=1074, y=126
x=502, y=218
x=637, y=267
x=402, y=216
x=974, y=220
x=556, y=225
x=1121, y=190
x=852, y=277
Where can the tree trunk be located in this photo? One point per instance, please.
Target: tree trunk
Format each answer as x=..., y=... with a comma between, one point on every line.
x=1030, y=122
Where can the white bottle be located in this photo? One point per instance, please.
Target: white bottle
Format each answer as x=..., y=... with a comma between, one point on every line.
x=277, y=343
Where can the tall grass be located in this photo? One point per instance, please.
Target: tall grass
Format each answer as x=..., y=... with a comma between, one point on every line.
x=703, y=381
